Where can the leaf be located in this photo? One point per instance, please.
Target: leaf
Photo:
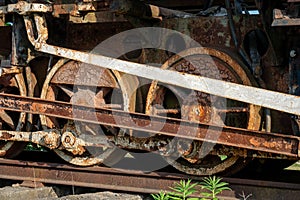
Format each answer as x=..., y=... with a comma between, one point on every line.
x=221, y=184
x=194, y=185
x=219, y=190
x=8, y=24
x=214, y=185
x=175, y=198
x=160, y=196
x=182, y=190
x=192, y=191
x=206, y=194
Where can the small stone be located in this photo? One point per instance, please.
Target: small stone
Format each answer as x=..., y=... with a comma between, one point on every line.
x=17, y=193
x=99, y=196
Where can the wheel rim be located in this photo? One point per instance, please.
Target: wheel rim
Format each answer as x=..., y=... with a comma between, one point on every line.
x=207, y=107
x=113, y=80
x=12, y=120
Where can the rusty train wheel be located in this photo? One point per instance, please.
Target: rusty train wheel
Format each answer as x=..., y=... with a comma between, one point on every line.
x=12, y=84
x=59, y=86
x=197, y=106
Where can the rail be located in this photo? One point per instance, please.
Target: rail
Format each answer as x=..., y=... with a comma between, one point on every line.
x=134, y=181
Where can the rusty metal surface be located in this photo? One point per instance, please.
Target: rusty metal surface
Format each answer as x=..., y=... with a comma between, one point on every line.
x=98, y=17
x=153, y=73
x=106, y=83
x=281, y=20
x=59, y=140
x=199, y=107
x=57, y=9
x=286, y=22
x=187, y=4
x=63, y=9
x=134, y=181
x=12, y=121
x=208, y=30
x=77, y=33
x=260, y=141
x=22, y=7
x=256, y=96
x=50, y=139
x=67, y=75
x=250, y=95
x=75, y=9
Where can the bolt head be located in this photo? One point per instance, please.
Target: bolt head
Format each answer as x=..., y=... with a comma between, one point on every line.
x=293, y=53
x=67, y=139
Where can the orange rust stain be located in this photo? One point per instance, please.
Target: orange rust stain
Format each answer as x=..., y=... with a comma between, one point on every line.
x=254, y=142
x=270, y=144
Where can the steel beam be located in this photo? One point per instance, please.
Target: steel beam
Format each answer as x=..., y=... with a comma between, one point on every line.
x=257, y=96
x=235, y=137
x=136, y=181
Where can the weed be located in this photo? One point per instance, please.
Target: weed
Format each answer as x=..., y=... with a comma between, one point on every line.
x=214, y=185
x=244, y=196
x=184, y=189
x=180, y=191
x=161, y=196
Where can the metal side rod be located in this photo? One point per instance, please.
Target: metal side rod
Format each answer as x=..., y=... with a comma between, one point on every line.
x=236, y=137
x=256, y=96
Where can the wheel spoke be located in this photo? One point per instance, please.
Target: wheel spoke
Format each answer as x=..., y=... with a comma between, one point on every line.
x=7, y=119
x=203, y=107
x=99, y=99
x=57, y=87
x=66, y=90
x=11, y=120
x=103, y=92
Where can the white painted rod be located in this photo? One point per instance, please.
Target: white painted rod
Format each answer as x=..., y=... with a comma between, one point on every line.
x=257, y=96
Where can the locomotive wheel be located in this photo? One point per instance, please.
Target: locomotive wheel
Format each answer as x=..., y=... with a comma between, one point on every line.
x=201, y=107
x=59, y=86
x=12, y=84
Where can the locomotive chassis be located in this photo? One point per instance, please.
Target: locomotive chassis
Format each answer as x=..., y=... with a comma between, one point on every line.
x=244, y=143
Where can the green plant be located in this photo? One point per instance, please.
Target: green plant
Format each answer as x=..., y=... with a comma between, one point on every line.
x=8, y=24
x=244, y=196
x=160, y=196
x=35, y=147
x=182, y=190
x=214, y=185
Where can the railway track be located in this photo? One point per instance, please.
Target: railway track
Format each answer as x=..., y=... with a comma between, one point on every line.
x=134, y=180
